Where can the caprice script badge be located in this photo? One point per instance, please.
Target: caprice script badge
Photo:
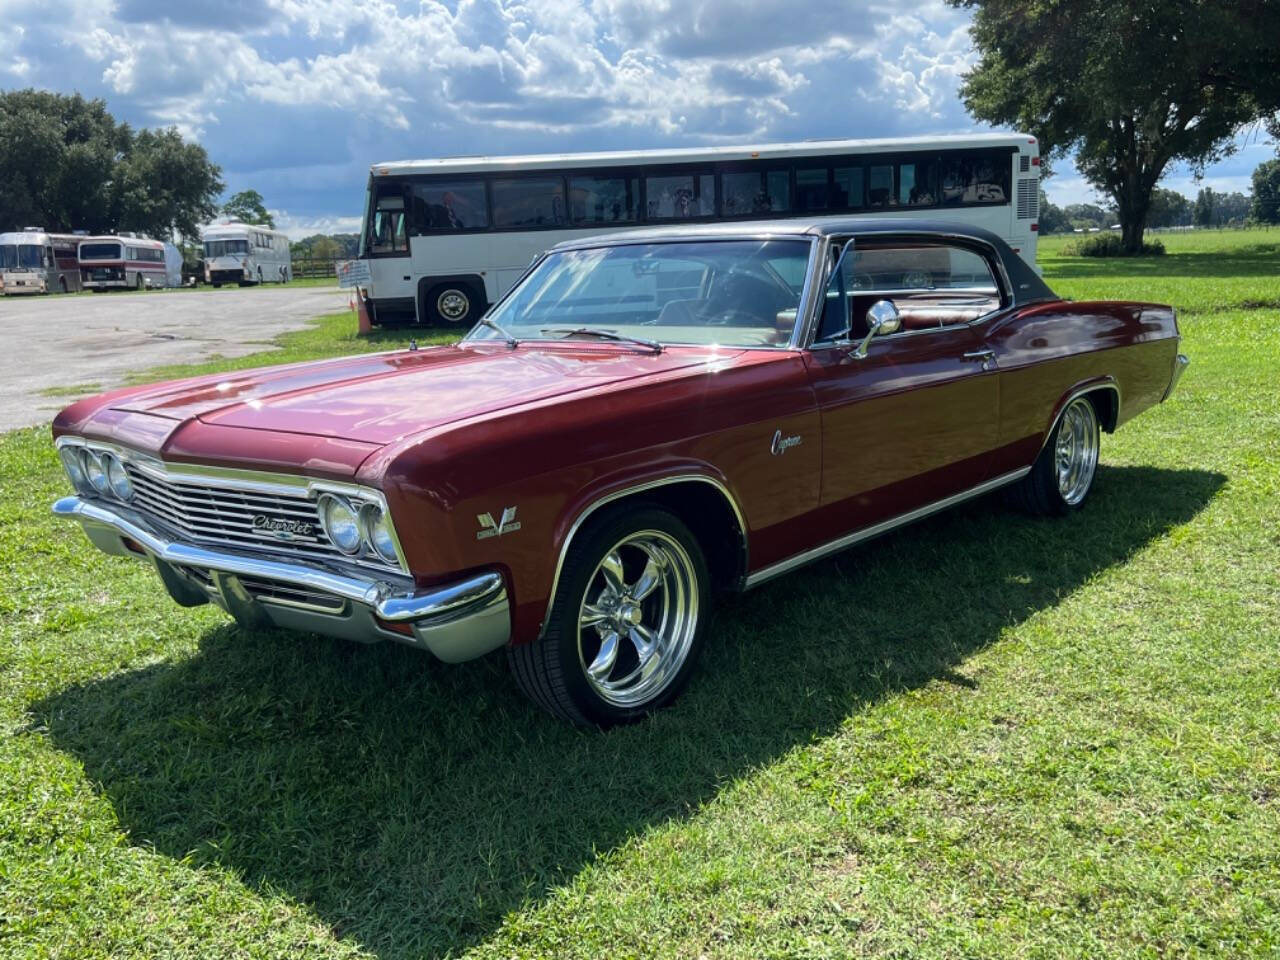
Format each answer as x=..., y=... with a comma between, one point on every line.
x=282, y=529
x=508, y=524
x=781, y=444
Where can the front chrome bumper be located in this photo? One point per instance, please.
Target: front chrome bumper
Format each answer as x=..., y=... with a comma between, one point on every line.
x=455, y=621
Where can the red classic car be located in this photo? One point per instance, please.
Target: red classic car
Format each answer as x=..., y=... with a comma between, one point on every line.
x=643, y=419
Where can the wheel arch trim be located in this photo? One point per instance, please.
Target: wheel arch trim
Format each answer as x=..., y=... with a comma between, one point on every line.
x=622, y=493
x=1093, y=386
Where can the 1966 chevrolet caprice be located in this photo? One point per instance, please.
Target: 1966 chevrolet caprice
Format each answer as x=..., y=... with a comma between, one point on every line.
x=643, y=418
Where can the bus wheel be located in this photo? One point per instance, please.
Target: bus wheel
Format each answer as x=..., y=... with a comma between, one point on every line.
x=451, y=304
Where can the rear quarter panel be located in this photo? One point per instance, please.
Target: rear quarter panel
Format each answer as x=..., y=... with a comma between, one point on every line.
x=1047, y=352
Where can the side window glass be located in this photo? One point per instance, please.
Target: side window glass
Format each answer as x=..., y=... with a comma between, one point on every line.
x=680, y=197
x=848, y=188
x=387, y=229
x=918, y=183
x=758, y=191
x=528, y=202
x=603, y=199
x=974, y=178
x=444, y=206
x=812, y=192
x=880, y=185
x=933, y=285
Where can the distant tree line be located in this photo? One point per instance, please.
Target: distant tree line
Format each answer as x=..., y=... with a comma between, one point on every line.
x=321, y=246
x=66, y=164
x=1168, y=208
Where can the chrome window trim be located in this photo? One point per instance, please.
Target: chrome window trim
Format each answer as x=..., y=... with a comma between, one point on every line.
x=251, y=481
x=626, y=492
x=866, y=533
x=1004, y=285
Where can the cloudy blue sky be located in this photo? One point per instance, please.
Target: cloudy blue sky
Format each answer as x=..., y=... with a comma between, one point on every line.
x=296, y=98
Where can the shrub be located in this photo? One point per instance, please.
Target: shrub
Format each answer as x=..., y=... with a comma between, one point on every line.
x=1111, y=245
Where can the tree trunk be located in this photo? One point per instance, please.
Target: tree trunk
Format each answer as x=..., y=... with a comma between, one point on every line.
x=1133, y=203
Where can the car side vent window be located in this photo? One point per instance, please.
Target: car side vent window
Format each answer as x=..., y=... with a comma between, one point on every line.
x=1024, y=163
x=1028, y=199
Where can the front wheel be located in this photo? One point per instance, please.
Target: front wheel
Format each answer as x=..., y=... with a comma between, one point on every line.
x=626, y=622
x=452, y=304
x=1063, y=474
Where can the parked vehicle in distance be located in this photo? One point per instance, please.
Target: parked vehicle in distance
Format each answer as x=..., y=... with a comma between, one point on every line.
x=121, y=262
x=643, y=419
x=33, y=261
x=445, y=238
x=244, y=254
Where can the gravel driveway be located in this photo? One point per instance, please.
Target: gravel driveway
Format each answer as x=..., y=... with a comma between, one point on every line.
x=63, y=341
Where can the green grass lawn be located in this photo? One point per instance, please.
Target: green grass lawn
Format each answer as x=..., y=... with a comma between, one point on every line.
x=986, y=735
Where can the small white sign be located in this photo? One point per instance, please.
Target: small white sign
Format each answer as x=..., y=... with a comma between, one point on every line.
x=353, y=273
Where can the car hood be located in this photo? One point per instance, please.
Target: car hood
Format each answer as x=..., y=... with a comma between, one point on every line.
x=382, y=398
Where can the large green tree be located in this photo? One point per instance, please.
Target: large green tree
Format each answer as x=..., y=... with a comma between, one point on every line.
x=247, y=206
x=66, y=164
x=1127, y=86
x=1266, y=192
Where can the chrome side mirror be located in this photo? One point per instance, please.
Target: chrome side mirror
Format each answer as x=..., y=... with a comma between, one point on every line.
x=882, y=319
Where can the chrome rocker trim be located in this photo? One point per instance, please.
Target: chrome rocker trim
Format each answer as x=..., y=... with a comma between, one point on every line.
x=866, y=533
x=455, y=621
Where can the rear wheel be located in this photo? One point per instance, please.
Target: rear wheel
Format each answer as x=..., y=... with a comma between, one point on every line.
x=1063, y=474
x=626, y=622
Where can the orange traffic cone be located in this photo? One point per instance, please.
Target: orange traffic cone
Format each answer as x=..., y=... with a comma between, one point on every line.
x=363, y=323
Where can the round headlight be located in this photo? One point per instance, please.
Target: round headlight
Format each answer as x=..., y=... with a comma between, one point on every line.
x=340, y=523
x=75, y=472
x=94, y=470
x=377, y=533
x=121, y=485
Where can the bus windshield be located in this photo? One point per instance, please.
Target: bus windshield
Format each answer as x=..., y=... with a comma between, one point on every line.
x=225, y=248
x=99, y=251
x=16, y=256
x=732, y=292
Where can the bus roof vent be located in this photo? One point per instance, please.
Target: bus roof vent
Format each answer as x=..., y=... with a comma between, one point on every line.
x=33, y=229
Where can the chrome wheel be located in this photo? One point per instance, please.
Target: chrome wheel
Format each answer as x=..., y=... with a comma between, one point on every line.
x=1076, y=450
x=453, y=305
x=638, y=618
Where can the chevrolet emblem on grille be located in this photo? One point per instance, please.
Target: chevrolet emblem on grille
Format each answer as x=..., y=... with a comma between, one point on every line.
x=282, y=529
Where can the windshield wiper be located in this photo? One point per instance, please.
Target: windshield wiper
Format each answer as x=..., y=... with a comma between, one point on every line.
x=653, y=345
x=512, y=342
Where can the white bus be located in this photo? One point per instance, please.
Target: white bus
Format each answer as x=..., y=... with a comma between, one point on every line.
x=245, y=253
x=33, y=261
x=121, y=262
x=445, y=238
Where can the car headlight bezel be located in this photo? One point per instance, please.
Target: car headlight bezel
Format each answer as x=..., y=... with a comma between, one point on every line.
x=336, y=513
x=94, y=468
x=117, y=477
x=73, y=467
x=377, y=533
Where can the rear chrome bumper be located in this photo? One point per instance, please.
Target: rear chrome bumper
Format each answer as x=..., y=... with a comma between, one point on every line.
x=1180, y=364
x=455, y=621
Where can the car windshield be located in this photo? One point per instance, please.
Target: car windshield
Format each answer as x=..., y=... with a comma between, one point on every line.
x=225, y=248
x=732, y=292
x=19, y=255
x=99, y=251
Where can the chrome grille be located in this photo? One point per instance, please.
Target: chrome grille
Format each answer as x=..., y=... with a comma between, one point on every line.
x=225, y=516
x=290, y=595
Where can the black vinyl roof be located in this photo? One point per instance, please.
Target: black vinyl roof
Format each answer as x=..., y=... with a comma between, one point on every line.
x=1025, y=282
